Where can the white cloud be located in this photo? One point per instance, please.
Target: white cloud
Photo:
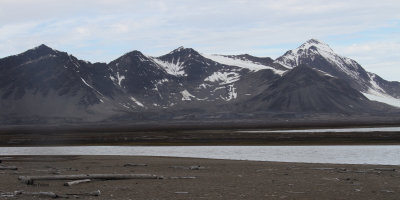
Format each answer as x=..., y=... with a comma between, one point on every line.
x=380, y=56
x=100, y=30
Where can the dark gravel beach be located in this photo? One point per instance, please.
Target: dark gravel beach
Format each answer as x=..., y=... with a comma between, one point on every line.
x=190, y=178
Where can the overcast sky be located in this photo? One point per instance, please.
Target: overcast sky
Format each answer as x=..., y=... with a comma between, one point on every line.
x=367, y=31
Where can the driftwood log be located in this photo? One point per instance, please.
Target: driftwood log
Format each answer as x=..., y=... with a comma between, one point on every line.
x=135, y=165
x=94, y=193
x=77, y=182
x=30, y=179
x=196, y=167
x=182, y=177
x=8, y=167
x=39, y=194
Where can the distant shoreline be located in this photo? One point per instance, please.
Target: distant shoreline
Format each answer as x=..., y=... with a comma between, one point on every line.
x=217, y=124
x=202, y=133
x=208, y=137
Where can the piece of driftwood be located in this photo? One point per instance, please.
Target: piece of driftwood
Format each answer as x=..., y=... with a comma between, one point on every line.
x=77, y=182
x=182, y=177
x=196, y=167
x=94, y=193
x=30, y=179
x=2, y=167
x=387, y=191
x=40, y=194
x=7, y=194
x=135, y=165
x=323, y=168
x=179, y=167
x=181, y=192
x=385, y=169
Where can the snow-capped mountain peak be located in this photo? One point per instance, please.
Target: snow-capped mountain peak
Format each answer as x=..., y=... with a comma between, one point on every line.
x=186, y=84
x=315, y=51
x=182, y=50
x=179, y=49
x=309, y=49
x=315, y=45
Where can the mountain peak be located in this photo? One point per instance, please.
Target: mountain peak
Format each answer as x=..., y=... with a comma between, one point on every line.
x=310, y=49
x=134, y=53
x=43, y=48
x=38, y=51
x=182, y=49
x=315, y=41
x=315, y=44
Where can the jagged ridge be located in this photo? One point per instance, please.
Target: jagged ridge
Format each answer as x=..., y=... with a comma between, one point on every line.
x=46, y=82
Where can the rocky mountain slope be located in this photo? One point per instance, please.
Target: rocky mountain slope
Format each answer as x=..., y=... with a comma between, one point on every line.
x=43, y=83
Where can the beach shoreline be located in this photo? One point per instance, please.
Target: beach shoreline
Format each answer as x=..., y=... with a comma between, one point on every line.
x=196, y=178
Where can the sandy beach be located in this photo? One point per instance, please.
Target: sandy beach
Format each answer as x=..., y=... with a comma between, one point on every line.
x=191, y=178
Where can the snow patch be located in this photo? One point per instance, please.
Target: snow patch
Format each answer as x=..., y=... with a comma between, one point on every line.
x=374, y=84
x=160, y=82
x=124, y=106
x=186, y=96
x=137, y=102
x=376, y=93
x=232, y=94
x=325, y=74
x=120, y=78
x=179, y=49
x=173, y=68
x=218, y=88
x=223, y=77
x=112, y=78
x=141, y=59
x=247, y=64
x=83, y=80
x=74, y=62
x=206, y=98
x=204, y=86
x=384, y=98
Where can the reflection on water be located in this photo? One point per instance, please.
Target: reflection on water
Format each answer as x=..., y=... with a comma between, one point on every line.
x=373, y=154
x=381, y=129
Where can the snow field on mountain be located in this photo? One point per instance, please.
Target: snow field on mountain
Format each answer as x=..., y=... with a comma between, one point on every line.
x=247, y=64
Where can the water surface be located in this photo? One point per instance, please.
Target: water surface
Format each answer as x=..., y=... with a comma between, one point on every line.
x=374, y=129
x=363, y=154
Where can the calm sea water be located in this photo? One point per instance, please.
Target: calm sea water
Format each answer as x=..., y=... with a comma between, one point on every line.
x=373, y=154
x=381, y=129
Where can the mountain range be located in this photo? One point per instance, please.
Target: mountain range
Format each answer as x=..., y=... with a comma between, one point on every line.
x=46, y=85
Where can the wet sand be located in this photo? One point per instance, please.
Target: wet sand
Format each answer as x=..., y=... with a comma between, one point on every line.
x=205, y=179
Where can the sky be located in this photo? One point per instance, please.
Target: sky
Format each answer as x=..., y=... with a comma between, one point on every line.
x=367, y=31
